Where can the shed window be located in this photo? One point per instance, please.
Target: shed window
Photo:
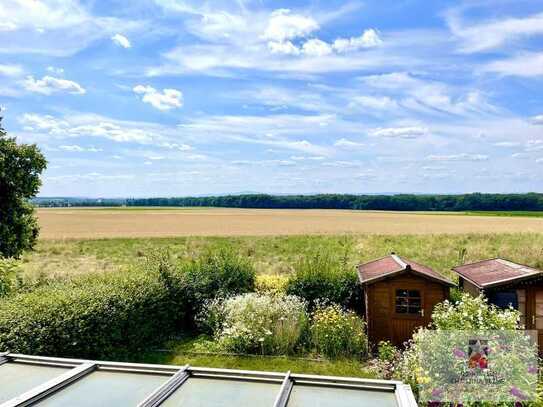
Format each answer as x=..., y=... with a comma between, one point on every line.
x=408, y=302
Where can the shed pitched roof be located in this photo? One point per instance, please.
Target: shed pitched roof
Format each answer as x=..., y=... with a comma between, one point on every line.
x=495, y=272
x=393, y=264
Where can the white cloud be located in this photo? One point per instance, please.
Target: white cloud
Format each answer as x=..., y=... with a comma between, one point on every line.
x=55, y=70
x=316, y=48
x=369, y=38
x=539, y=160
x=78, y=149
x=167, y=100
x=286, y=47
x=121, y=41
x=10, y=70
x=458, y=157
x=49, y=85
x=7, y=26
x=348, y=144
x=176, y=146
x=283, y=25
x=537, y=119
x=54, y=27
x=400, y=132
x=527, y=65
x=492, y=34
x=373, y=102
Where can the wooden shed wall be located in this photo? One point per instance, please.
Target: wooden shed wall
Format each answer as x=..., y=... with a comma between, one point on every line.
x=383, y=322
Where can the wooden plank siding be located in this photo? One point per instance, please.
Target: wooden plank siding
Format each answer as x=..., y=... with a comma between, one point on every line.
x=383, y=321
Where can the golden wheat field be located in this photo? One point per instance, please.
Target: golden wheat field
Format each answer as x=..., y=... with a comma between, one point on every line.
x=79, y=223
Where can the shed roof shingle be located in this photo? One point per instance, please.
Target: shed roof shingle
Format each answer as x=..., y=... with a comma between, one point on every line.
x=494, y=272
x=390, y=265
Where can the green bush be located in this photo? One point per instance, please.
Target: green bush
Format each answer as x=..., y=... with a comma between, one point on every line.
x=111, y=315
x=473, y=313
x=322, y=277
x=338, y=333
x=217, y=274
x=257, y=323
x=96, y=317
x=9, y=274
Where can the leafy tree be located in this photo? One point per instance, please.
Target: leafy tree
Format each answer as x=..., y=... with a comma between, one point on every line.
x=20, y=169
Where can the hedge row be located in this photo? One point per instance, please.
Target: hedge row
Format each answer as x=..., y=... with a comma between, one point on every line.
x=116, y=315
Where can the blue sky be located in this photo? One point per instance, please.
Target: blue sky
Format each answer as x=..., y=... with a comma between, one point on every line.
x=175, y=97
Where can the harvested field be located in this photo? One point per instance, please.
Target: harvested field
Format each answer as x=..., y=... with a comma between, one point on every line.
x=68, y=223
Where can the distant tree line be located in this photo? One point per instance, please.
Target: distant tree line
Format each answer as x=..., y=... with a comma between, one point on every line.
x=402, y=202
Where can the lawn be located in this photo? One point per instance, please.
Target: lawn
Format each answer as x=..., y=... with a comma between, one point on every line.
x=187, y=351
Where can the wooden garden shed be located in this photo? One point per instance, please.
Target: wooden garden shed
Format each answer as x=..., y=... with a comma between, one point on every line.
x=399, y=296
x=506, y=283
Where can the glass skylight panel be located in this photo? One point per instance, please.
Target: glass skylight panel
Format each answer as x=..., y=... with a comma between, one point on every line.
x=317, y=396
x=200, y=392
x=106, y=388
x=18, y=378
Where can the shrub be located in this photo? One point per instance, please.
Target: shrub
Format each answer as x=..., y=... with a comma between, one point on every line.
x=111, y=315
x=336, y=332
x=257, y=323
x=324, y=277
x=271, y=284
x=457, y=323
x=473, y=313
x=94, y=317
x=216, y=274
x=9, y=274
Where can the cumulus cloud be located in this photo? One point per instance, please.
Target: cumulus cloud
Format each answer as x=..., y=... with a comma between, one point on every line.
x=286, y=47
x=284, y=25
x=121, y=41
x=166, y=100
x=458, y=157
x=369, y=38
x=400, y=132
x=316, y=48
x=49, y=85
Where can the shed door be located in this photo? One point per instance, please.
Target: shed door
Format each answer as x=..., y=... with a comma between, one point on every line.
x=407, y=310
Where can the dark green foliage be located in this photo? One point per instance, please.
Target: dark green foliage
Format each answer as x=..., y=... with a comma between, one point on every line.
x=114, y=315
x=217, y=274
x=401, y=202
x=91, y=318
x=507, y=204
x=20, y=169
x=325, y=278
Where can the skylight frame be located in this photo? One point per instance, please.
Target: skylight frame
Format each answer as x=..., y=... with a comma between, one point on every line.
x=179, y=375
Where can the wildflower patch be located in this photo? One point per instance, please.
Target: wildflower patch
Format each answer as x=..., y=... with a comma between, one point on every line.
x=477, y=366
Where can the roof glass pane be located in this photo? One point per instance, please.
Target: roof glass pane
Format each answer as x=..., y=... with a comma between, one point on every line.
x=197, y=392
x=18, y=378
x=313, y=396
x=103, y=388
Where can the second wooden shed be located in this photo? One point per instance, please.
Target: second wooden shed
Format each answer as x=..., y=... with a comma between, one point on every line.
x=399, y=296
